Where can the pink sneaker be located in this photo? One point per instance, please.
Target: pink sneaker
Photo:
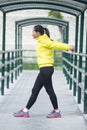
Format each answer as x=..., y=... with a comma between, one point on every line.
x=21, y=113
x=54, y=114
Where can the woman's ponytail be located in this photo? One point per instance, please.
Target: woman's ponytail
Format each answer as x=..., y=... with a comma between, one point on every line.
x=47, y=32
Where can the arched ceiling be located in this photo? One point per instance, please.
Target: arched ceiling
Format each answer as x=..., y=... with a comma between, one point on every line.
x=42, y=20
x=68, y=6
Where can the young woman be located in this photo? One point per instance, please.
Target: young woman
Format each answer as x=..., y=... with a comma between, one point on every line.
x=45, y=56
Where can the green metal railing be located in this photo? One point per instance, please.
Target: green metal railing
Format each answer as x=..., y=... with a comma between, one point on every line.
x=76, y=76
x=10, y=67
x=15, y=60
x=30, y=59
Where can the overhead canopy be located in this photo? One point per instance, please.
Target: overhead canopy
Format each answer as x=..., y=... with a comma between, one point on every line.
x=82, y=1
x=42, y=20
x=68, y=6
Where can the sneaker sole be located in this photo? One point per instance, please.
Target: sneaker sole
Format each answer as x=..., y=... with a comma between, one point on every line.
x=22, y=116
x=54, y=117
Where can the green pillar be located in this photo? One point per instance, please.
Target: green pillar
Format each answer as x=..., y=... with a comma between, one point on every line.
x=16, y=35
x=85, y=87
x=20, y=47
x=3, y=54
x=20, y=37
x=67, y=33
x=8, y=69
x=80, y=57
x=12, y=67
x=16, y=47
x=76, y=49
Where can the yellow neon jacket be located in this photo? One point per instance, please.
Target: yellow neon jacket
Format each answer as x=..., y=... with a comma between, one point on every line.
x=45, y=50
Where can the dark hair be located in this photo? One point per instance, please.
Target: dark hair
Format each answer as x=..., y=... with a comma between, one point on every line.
x=42, y=30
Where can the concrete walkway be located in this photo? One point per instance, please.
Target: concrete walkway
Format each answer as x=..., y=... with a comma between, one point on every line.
x=17, y=97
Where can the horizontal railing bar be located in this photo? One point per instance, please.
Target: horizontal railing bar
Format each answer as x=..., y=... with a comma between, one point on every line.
x=77, y=54
x=17, y=50
x=75, y=67
x=8, y=73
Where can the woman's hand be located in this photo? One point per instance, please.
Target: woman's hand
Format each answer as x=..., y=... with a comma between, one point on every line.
x=72, y=48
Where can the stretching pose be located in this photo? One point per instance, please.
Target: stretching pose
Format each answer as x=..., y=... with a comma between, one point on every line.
x=45, y=56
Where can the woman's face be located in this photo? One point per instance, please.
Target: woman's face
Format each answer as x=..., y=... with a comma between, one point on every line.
x=35, y=34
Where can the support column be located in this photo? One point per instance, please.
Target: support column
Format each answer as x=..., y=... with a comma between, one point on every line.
x=16, y=36
x=19, y=47
x=3, y=54
x=85, y=87
x=76, y=49
x=67, y=33
x=80, y=57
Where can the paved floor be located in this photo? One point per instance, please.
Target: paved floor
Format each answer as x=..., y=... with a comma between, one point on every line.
x=16, y=98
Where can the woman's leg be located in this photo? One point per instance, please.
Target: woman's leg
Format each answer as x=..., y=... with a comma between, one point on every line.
x=43, y=78
x=35, y=91
x=46, y=75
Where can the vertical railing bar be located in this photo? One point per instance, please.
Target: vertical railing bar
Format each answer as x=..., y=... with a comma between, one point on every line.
x=12, y=67
x=3, y=54
x=80, y=57
x=85, y=84
x=16, y=36
x=8, y=68
x=76, y=49
x=15, y=64
x=71, y=70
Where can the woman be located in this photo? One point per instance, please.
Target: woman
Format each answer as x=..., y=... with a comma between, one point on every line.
x=45, y=53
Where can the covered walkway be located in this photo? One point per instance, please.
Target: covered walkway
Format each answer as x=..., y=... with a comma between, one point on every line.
x=74, y=70
x=16, y=97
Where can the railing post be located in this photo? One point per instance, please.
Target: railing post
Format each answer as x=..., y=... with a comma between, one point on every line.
x=80, y=57
x=68, y=67
x=71, y=70
x=21, y=61
x=19, y=46
x=3, y=54
x=16, y=36
x=75, y=60
x=85, y=87
x=64, y=64
x=67, y=33
x=12, y=67
x=8, y=68
x=15, y=64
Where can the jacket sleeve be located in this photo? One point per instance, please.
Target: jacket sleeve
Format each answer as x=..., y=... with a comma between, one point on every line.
x=55, y=45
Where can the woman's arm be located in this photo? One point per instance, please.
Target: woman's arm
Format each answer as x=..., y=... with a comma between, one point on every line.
x=57, y=45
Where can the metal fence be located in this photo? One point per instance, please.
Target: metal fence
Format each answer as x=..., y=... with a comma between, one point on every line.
x=10, y=67
x=75, y=70
x=13, y=62
x=30, y=59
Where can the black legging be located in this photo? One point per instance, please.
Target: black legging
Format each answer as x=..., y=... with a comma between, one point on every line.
x=44, y=78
